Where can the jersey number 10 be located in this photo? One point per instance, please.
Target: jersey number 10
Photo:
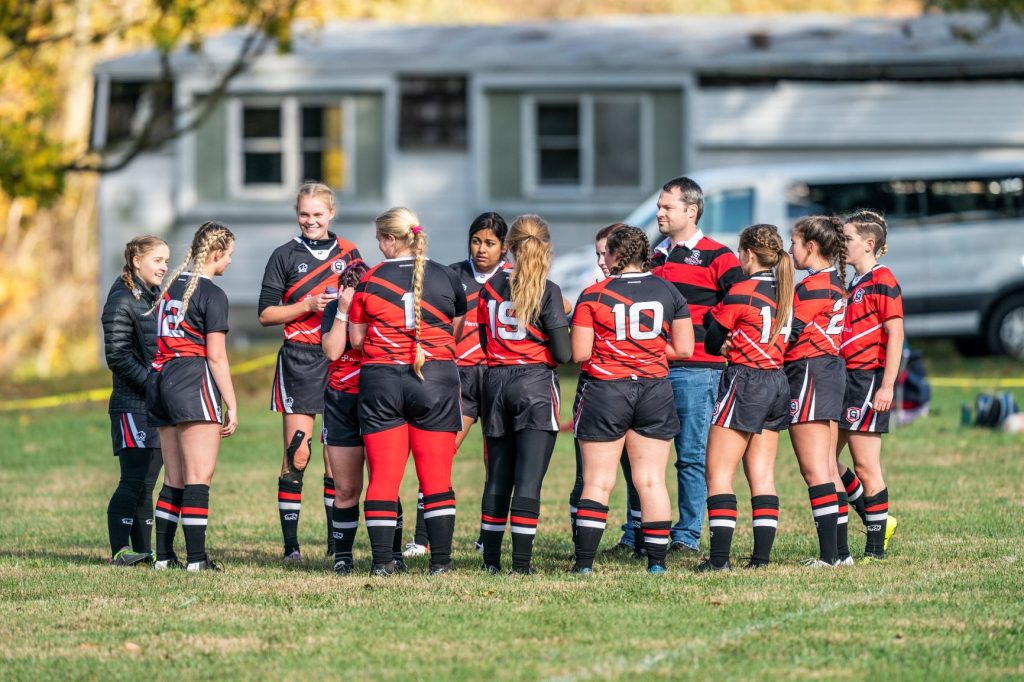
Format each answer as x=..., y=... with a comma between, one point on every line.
x=631, y=316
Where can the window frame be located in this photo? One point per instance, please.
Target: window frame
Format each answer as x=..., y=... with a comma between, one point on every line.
x=530, y=153
x=291, y=144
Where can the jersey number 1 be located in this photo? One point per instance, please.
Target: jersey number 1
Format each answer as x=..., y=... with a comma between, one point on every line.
x=504, y=324
x=766, y=326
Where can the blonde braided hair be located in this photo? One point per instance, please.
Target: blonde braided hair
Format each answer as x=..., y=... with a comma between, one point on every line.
x=529, y=242
x=766, y=244
x=404, y=226
x=209, y=238
x=137, y=247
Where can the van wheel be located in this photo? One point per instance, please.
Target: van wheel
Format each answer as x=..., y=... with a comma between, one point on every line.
x=1006, y=328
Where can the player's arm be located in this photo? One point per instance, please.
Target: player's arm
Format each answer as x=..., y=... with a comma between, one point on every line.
x=582, y=343
x=461, y=304
x=457, y=324
x=118, y=336
x=217, y=359
x=893, y=356
x=681, y=343
x=272, y=311
x=560, y=344
x=334, y=328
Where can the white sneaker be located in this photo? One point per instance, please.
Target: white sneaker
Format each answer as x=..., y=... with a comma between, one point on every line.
x=413, y=550
x=295, y=557
x=816, y=563
x=848, y=561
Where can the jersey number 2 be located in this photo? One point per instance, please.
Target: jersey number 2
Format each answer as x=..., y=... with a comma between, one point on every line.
x=170, y=320
x=632, y=317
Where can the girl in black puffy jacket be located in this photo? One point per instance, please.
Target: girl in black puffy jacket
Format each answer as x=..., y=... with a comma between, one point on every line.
x=129, y=342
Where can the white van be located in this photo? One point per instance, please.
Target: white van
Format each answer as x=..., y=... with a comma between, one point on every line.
x=956, y=233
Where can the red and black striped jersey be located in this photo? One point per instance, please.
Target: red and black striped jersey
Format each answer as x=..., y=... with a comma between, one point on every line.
x=703, y=274
x=302, y=269
x=748, y=310
x=631, y=316
x=874, y=298
x=818, y=306
x=468, y=351
x=184, y=336
x=508, y=341
x=384, y=302
x=343, y=373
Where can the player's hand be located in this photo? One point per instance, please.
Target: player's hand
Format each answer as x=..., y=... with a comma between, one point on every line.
x=882, y=400
x=230, y=422
x=316, y=304
x=345, y=299
x=566, y=305
x=727, y=345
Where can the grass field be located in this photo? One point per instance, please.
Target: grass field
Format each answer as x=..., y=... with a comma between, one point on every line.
x=947, y=604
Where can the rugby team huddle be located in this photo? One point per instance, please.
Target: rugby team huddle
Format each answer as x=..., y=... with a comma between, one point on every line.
x=692, y=343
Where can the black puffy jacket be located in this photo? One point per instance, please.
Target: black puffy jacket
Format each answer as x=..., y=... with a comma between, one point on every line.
x=129, y=343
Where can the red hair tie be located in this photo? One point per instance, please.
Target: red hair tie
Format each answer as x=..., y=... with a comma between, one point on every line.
x=416, y=229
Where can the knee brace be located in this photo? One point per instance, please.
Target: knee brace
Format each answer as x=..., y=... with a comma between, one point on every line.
x=294, y=474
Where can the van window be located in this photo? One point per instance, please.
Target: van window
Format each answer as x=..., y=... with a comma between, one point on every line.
x=899, y=200
x=728, y=212
x=965, y=199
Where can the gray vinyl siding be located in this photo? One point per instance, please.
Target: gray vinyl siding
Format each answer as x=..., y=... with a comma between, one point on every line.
x=369, y=147
x=504, y=153
x=211, y=156
x=668, y=135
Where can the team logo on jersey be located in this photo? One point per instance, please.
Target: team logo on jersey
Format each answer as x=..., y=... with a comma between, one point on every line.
x=302, y=268
x=852, y=414
x=718, y=407
x=693, y=258
x=291, y=517
x=288, y=402
x=338, y=266
x=140, y=437
x=793, y=407
x=858, y=296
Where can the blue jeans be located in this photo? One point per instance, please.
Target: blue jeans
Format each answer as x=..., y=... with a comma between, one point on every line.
x=695, y=390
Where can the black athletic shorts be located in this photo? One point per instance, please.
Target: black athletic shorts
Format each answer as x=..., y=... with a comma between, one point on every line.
x=520, y=397
x=300, y=379
x=472, y=378
x=133, y=430
x=858, y=415
x=341, y=419
x=751, y=399
x=605, y=409
x=183, y=391
x=392, y=395
x=816, y=388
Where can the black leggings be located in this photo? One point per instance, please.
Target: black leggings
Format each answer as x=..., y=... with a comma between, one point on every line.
x=133, y=499
x=519, y=461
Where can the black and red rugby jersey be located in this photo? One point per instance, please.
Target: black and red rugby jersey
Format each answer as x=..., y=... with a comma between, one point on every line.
x=302, y=269
x=508, y=341
x=343, y=373
x=384, y=302
x=184, y=336
x=702, y=275
x=819, y=303
x=873, y=299
x=468, y=351
x=631, y=316
x=748, y=310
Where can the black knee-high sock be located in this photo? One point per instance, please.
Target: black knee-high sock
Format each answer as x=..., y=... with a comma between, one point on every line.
x=142, y=525
x=523, y=524
x=381, y=518
x=289, y=504
x=134, y=462
x=876, y=514
x=825, y=511
x=633, y=514
x=855, y=493
x=329, y=510
x=842, y=523
x=721, y=525
x=577, y=490
x=439, y=515
x=765, y=513
x=655, y=540
x=420, y=538
x=493, y=517
x=591, y=519
x=344, y=523
x=396, y=542
x=168, y=512
x=195, y=503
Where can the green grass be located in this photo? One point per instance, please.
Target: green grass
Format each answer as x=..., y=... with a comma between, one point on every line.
x=948, y=603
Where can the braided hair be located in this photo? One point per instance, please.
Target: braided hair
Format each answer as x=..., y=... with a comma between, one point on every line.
x=404, y=226
x=208, y=239
x=529, y=242
x=631, y=247
x=137, y=247
x=870, y=224
x=766, y=244
x=827, y=232
x=352, y=274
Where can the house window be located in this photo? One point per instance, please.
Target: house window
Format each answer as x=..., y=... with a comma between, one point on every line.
x=432, y=113
x=280, y=143
x=129, y=107
x=581, y=144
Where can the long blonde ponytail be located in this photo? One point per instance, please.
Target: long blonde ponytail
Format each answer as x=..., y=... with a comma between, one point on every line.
x=529, y=242
x=404, y=226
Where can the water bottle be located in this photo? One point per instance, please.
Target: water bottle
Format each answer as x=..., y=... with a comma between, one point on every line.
x=965, y=414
